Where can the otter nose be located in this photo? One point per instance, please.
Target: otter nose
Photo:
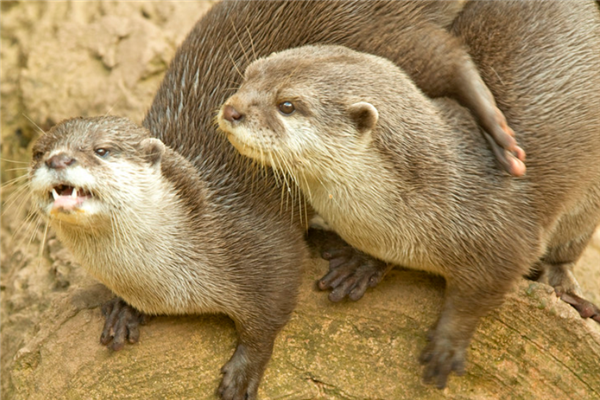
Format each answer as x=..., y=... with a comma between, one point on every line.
x=231, y=114
x=60, y=161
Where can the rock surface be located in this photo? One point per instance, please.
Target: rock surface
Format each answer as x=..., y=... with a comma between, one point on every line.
x=66, y=59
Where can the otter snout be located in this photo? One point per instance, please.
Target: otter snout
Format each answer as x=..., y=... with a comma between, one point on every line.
x=231, y=114
x=60, y=161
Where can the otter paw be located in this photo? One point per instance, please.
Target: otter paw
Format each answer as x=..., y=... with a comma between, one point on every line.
x=236, y=383
x=351, y=272
x=440, y=358
x=122, y=323
x=501, y=139
x=585, y=308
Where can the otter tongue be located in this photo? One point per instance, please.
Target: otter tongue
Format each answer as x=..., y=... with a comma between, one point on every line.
x=66, y=203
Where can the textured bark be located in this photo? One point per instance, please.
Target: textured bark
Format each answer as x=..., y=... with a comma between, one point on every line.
x=66, y=59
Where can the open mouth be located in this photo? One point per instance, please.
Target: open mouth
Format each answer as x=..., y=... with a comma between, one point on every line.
x=68, y=198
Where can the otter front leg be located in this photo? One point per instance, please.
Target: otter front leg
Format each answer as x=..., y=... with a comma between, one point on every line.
x=450, y=337
x=244, y=370
x=122, y=324
x=351, y=272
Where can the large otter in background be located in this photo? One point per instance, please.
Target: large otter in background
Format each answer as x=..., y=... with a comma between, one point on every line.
x=382, y=164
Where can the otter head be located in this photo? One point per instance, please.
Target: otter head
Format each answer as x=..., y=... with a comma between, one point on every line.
x=301, y=108
x=85, y=169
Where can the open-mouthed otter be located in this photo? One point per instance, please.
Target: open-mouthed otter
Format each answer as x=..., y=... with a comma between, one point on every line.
x=142, y=220
x=406, y=179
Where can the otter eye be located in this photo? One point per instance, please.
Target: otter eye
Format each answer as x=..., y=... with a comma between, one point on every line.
x=37, y=155
x=101, y=152
x=287, y=107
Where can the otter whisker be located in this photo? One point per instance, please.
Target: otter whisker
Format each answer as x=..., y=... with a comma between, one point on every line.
x=14, y=161
x=262, y=160
x=291, y=188
x=43, y=244
x=35, y=230
x=306, y=184
x=234, y=83
x=295, y=191
x=13, y=189
x=21, y=194
x=23, y=225
x=274, y=169
x=110, y=109
x=251, y=44
x=13, y=181
x=282, y=198
x=17, y=169
x=239, y=41
x=33, y=123
x=235, y=65
x=284, y=185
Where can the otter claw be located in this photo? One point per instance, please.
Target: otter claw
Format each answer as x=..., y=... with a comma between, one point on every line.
x=440, y=359
x=122, y=324
x=512, y=162
x=585, y=308
x=351, y=274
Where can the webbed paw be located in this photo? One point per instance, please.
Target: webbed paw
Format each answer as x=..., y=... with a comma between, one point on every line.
x=122, y=324
x=351, y=272
x=441, y=356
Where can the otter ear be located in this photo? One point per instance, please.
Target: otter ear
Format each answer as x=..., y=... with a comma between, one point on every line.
x=153, y=150
x=364, y=115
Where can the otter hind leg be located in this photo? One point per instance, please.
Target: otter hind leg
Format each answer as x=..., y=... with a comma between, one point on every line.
x=121, y=325
x=585, y=308
x=473, y=93
x=441, y=66
x=557, y=271
x=560, y=277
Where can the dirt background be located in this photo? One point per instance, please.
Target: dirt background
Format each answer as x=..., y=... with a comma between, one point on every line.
x=64, y=59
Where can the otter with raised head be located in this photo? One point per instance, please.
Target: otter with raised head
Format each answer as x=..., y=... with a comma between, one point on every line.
x=179, y=223
x=410, y=33
x=406, y=179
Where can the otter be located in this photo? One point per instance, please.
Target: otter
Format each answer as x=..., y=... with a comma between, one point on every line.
x=381, y=163
x=413, y=34
x=143, y=221
x=173, y=196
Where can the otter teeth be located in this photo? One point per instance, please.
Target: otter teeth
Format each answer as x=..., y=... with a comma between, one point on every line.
x=63, y=191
